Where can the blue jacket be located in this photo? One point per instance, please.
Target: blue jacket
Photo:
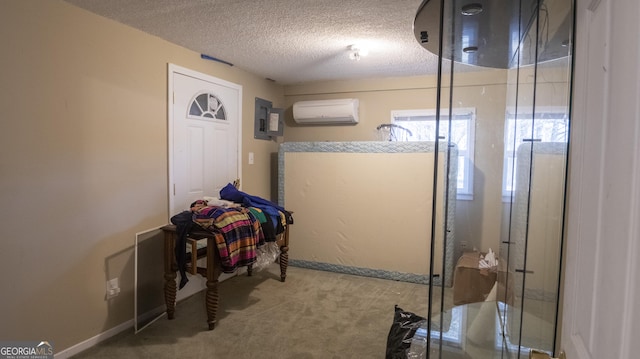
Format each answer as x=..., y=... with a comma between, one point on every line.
x=230, y=193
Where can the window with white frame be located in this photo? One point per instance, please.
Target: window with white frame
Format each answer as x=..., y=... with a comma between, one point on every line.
x=551, y=126
x=422, y=127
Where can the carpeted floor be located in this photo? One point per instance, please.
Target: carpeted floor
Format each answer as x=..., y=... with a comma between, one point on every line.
x=314, y=314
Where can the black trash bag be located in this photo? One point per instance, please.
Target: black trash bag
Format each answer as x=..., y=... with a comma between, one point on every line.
x=402, y=330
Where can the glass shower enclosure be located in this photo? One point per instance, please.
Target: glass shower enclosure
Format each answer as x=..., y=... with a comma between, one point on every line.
x=511, y=63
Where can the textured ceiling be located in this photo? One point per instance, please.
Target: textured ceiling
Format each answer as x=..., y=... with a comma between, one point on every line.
x=289, y=41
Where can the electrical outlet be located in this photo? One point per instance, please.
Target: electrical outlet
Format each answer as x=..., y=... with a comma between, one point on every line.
x=464, y=245
x=113, y=288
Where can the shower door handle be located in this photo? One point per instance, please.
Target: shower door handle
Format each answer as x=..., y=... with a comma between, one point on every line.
x=524, y=271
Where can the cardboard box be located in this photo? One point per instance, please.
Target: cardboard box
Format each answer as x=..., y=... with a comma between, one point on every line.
x=470, y=283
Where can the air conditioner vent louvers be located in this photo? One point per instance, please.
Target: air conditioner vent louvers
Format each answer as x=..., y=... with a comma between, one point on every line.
x=326, y=112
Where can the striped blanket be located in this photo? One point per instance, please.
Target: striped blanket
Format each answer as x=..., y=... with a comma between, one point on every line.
x=237, y=233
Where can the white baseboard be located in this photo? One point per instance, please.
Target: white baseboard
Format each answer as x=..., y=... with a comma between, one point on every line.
x=82, y=346
x=200, y=284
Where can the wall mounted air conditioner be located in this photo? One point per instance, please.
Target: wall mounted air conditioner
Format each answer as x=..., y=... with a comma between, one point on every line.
x=326, y=112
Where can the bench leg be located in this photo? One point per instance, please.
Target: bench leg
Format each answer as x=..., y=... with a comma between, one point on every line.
x=170, y=268
x=212, y=299
x=284, y=262
x=213, y=272
x=170, y=294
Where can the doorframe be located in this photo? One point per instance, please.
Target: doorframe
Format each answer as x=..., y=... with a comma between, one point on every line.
x=175, y=69
x=600, y=316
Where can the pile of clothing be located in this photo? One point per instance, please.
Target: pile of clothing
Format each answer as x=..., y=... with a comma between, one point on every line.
x=240, y=223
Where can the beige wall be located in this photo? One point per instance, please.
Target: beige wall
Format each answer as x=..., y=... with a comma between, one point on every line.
x=346, y=209
x=83, y=162
x=478, y=222
x=545, y=223
x=482, y=222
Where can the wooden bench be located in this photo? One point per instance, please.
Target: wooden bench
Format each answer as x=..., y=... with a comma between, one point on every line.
x=212, y=269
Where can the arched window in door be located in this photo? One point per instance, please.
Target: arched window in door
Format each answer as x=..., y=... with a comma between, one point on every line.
x=207, y=106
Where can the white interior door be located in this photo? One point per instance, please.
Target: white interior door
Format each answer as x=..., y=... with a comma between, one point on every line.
x=205, y=119
x=601, y=318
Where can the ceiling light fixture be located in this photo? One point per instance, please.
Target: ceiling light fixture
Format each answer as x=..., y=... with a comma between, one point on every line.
x=471, y=9
x=356, y=52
